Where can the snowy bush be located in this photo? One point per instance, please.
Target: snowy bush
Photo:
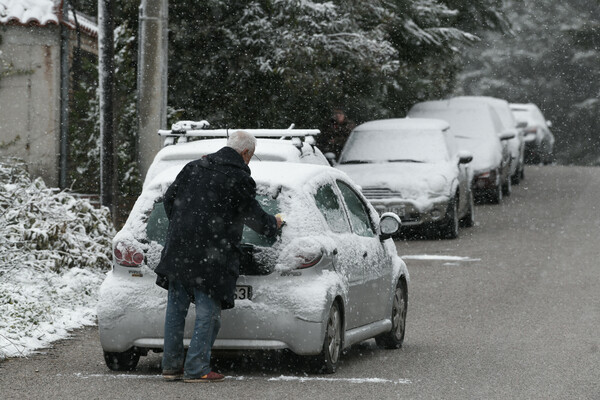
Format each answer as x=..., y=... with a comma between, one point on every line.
x=54, y=252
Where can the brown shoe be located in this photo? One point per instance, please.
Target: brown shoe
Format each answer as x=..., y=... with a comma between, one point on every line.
x=172, y=375
x=210, y=377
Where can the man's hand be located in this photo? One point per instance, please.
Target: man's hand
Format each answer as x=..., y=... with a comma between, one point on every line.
x=279, y=219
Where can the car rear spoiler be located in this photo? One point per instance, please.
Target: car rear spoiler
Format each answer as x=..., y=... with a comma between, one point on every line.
x=181, y=131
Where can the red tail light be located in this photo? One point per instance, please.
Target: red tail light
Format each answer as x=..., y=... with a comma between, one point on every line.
x=128, y=256
x=530, y=130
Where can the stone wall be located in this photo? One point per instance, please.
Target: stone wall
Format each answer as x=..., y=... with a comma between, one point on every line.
x=30, y=98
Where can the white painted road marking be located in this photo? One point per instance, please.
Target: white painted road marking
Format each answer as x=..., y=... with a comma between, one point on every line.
x=282, y=378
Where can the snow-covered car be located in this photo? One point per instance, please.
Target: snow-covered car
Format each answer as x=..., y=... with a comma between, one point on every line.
x=539, y=140
x=412, y=167
x=477, y=128
x=182, y=145
x=331, y=278
x=516, y=145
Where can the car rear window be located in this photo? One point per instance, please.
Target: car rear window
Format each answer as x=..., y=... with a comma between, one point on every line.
x=158, y=224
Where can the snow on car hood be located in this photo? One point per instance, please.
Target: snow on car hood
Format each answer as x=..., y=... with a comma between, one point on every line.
x=415, y=181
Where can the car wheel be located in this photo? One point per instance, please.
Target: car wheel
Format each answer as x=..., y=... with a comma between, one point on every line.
x=449, y=228
x=522, y=173
x=516, y=178
x=507, y=187
x=395, y=337
x=469, y=219
x=125, y=361
x=495, y=195
x=327, y=361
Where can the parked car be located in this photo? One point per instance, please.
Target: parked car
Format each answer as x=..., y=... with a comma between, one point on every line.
x=329, y=280
x=539, y=140
x=412, y=167
x=516, y=145
x=190, y=140
x=477, y=128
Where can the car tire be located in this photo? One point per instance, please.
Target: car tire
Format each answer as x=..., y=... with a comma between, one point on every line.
x=507, y=187
x=469, y=219
x=395, y=337
x=494, y=196
x=449, y=227
x=125, y=361
x=522, y=173
x=516, y=178
x=327, y=361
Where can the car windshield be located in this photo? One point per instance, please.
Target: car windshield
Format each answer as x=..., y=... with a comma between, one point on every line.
x=158, y=224
x=420, y=146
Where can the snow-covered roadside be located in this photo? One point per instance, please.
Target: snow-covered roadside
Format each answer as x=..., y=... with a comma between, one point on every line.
x=54, y=253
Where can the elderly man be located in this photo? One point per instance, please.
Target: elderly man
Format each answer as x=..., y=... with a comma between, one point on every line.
x=208, y=205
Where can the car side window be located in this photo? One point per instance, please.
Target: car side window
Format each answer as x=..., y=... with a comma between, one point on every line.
x=359, y=214
x=329, y=205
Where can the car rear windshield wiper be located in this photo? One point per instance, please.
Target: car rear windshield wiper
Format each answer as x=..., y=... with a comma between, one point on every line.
x=357, y=162
x=406, y=160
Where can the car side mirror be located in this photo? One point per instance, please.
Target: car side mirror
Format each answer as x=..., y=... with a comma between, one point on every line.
x=389, y=225
x=464, y=157
x=549, y=124
x=506, y=135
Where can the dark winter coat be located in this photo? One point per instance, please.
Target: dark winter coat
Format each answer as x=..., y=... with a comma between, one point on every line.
x=207, y=205
x=333, y=136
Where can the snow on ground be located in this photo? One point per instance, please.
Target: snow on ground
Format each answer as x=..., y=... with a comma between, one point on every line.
x=54, y=253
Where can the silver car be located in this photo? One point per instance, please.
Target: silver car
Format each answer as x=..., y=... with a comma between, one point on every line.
x=539, y=140
x=332, y=278
x=413, y=167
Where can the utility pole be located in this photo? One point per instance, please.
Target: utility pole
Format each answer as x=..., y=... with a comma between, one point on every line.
x=151, y=79
x=64, y=97
x=106, y=85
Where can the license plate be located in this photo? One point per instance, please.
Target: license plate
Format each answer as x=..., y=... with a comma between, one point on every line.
x=243, y=292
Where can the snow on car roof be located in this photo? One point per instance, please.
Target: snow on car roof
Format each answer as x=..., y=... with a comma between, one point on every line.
x=501, y=106
x=266, y=150
x=274, y=149
x=405, y=124
x=290, y=174
x=467, y=118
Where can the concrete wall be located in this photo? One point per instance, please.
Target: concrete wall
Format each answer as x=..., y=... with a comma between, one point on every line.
x=30, y=101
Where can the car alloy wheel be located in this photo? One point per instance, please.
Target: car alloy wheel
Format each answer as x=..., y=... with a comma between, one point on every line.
x=395, y=337
x=327, y=361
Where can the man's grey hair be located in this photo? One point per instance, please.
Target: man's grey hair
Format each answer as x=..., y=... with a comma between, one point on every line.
x=241, y=140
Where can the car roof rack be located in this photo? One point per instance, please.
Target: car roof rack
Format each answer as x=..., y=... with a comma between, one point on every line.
x=181, y=131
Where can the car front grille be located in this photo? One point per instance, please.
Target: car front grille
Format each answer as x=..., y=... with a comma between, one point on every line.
x=372, y=193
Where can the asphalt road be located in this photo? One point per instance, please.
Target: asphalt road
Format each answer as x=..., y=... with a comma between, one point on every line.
x=517, y=316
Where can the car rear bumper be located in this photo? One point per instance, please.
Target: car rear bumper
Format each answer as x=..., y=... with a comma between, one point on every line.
x=131, y=313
